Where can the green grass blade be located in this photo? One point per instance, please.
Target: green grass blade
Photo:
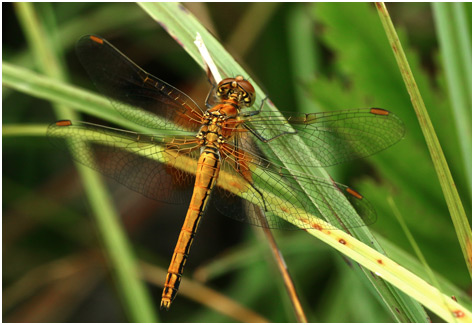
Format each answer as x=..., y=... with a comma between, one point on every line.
x=137, y=303
x=83, y=101
x=414, y=265
x=15, y=130
x=458, y=215
x=103, y=19
x=453, y=33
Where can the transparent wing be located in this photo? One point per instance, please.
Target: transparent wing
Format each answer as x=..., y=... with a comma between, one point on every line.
x=136, y=94
x=280, y=195
x=333, y=137
x=162, y=168
x=159, y=167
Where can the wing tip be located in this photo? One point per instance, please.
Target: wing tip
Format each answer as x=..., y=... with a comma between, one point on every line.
x=379, y=111
x=63, y=123
x=96, y=39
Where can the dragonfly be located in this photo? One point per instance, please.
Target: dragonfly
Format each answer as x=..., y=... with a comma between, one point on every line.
x=228, y=149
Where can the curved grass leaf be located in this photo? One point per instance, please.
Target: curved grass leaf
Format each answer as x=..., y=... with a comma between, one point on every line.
x=458, y=215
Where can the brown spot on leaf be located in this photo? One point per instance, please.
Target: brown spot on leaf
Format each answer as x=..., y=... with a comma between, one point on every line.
x=458, y=313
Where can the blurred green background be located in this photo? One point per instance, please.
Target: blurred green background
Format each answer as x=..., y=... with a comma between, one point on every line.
x=308, y=57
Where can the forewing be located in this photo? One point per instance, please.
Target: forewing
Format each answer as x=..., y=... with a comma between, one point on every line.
x=136, y=94
x=159, y=167
x=333, y=137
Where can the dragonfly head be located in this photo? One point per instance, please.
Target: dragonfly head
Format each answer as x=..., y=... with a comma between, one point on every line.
x=238, y=89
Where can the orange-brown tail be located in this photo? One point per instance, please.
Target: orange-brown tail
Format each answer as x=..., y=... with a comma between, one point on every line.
x=206, y=175
x=180, y=255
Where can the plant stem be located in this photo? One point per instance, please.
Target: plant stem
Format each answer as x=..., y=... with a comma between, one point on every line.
x=458, y=215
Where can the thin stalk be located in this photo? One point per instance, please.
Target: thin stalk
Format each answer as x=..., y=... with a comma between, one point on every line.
x=283, y=269
x=458, y=215
x=14, y=130
x=304, y=56
x=251, y=25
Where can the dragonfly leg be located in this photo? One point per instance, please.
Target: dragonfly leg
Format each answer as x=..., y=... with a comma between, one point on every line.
x=210, y=95
x=254, y=132
x=261, y=195
x=252, y=113
x=249, y=181
x=237, y=165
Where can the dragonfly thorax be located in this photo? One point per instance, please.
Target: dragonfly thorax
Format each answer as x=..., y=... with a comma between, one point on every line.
x=210, y=134
x=227, y=109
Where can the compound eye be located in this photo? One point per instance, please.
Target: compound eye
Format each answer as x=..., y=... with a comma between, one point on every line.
x=249, y=92
x=225, y=81
x=247, y=86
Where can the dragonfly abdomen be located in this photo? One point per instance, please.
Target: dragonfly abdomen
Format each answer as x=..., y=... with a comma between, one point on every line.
x=206, y=176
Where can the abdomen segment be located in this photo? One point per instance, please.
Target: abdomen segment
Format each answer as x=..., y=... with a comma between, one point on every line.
x=206, y=175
